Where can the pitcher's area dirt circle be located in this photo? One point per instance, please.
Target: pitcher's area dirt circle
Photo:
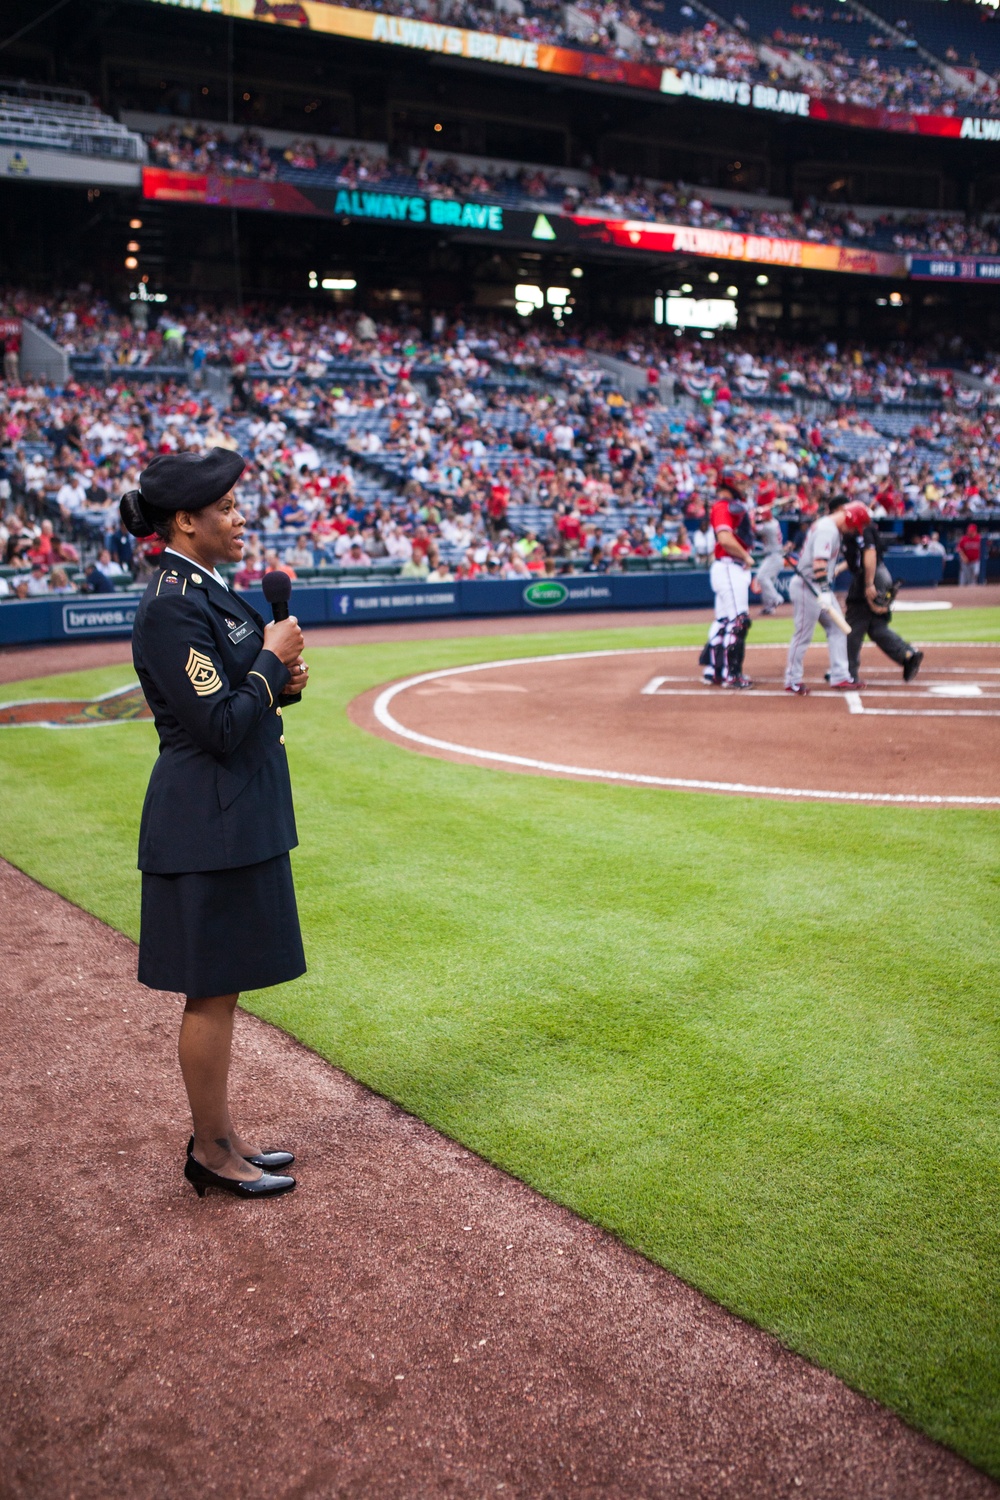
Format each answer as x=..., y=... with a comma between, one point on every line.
x=644, y=717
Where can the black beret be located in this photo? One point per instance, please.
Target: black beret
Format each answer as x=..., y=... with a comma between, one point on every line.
x=190, y=481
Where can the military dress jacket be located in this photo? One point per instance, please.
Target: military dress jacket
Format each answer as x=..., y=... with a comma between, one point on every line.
x=219, y=795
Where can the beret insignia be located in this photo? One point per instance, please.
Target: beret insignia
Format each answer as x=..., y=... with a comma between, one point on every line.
x=201, y=669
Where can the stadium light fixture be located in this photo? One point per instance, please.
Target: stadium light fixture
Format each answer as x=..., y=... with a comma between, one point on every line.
x=577, y=272
x=896, y=298
x=557, y=296
x=881, y=302
x=527, y=297
x=132, y=247
x=313, y=281
x=338, y=283
x=686, y=288
x=135, y=223
x=130, y=263
x=438, y=128
x=762, y=280
x=732, y=291
x=713, y=276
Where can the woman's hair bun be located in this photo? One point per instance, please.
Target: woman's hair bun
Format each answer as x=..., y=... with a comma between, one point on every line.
x=133, y=520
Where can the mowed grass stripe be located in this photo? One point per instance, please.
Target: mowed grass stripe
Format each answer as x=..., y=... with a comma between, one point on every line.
x=756, y=1040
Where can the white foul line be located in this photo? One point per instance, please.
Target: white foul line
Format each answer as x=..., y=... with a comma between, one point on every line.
x=930, y=713
x=390, y=722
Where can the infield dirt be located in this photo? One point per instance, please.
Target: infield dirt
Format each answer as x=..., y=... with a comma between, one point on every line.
x=647, y=714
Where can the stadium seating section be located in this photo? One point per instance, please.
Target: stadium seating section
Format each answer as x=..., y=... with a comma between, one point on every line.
x=489, y=450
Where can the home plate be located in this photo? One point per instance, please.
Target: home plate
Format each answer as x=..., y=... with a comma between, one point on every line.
x=955, y=690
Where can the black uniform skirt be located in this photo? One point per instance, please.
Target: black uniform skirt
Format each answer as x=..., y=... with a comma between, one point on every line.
x=217, y=932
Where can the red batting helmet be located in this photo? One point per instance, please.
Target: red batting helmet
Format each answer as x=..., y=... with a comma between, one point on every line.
x=857, y=516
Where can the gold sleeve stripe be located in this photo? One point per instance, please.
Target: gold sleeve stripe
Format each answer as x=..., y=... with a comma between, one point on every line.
x=264, y=680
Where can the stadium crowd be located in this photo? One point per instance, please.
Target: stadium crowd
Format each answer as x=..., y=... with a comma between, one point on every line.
x=879, y=70
x=317, y=343
x=489, y=450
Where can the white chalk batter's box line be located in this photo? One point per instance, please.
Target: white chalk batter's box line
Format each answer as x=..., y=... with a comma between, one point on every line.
x=656, y=688
x=388, y=720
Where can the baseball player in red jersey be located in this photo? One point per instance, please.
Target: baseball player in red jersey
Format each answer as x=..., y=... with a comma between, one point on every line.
x=722, y=656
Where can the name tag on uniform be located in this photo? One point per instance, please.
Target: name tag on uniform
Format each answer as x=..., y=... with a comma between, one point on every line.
x=241, y=632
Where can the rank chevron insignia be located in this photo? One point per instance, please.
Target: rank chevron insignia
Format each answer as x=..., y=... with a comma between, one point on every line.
x=201, y=669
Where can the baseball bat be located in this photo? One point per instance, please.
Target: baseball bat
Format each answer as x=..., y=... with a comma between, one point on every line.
x=829, y=603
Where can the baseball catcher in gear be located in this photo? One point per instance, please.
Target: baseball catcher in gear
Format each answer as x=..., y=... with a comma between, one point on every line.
x=722, y=656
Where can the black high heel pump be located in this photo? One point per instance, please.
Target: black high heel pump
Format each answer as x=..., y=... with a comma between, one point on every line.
x=268, y=1161
x=264, y=1186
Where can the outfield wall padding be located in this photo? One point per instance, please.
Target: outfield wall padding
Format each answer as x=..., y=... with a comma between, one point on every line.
x=34, y=621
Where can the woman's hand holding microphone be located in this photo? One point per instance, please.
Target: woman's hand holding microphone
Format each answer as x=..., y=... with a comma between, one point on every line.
x=285, y=639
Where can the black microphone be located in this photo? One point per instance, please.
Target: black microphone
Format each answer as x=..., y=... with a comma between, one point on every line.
x=277, y=588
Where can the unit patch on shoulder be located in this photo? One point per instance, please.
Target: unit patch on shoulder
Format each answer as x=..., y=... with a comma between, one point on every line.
x=171, y=578
x=201, y=669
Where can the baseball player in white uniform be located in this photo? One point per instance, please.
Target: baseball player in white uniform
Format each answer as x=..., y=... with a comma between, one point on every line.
x=768, y=532
x=815, y=575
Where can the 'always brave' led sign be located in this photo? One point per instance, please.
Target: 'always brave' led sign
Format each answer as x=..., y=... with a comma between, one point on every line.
x=358, y=203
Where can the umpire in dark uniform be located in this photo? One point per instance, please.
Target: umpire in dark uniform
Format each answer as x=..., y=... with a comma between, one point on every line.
x=868, y=606
x=218, y=905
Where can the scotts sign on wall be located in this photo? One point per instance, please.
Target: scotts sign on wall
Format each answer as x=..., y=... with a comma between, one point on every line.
x=545, y=594
x=598, y=67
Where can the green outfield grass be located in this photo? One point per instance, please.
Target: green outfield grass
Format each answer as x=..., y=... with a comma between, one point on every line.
x=757, y=1040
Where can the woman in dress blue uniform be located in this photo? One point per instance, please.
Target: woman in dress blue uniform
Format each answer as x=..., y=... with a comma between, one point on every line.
x=218, y=905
